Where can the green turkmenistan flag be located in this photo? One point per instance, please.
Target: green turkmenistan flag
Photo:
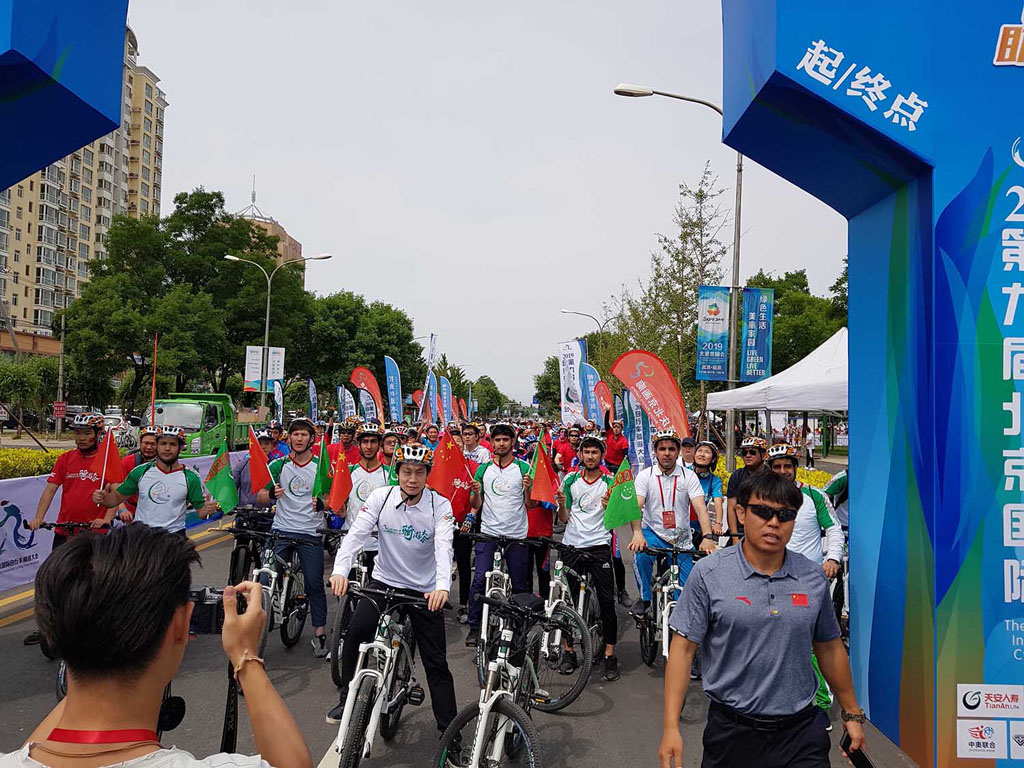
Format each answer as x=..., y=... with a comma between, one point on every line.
x=623, y=506
x=322, y=479
x=220, y=483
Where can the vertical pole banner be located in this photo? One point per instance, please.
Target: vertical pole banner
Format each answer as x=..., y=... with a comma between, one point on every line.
x=469, y=399
x=589, y=377
x=653, y=387
x=427, y=393
x=279, y=400
x=314, y=411
x=462, y=407
x=346, y=403
x=394, y=386
x=756, y=358
x=445, y=391
x=370, y=411
x=570, y=358
x=253, y=368
x=712, y=333
x=620, y=413
x=637, y=429
x=604, y=400
x=275, y=366
x=365, y=381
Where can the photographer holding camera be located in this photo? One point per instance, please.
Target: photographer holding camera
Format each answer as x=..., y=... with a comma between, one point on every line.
x=117, y=609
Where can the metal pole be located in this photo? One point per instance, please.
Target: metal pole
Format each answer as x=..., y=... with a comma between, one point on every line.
x=60, y=373
x=734, y=312
x=265, y=359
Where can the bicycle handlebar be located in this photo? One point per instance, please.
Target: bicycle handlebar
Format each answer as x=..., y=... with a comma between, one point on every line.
x=68, y=526
x=501, y=541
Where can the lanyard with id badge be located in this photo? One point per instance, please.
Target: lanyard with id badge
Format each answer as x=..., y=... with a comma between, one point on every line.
x=668, y=514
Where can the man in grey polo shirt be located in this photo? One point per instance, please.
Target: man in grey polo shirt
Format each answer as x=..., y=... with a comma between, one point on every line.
x=753, y=611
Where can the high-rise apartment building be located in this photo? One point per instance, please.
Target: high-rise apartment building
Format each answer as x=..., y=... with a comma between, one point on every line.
x=55, y=222
x=288, y=248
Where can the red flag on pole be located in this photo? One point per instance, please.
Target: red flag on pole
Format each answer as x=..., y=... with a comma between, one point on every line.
x=604, y=398
x=107, y=462
x=259, y=472
x=545, y=479
x=462, y=407
x=341, y=482
x=450, y=476
x=417, y=397
x=653, y=386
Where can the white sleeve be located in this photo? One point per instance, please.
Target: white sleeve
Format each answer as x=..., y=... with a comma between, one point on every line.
x=640, y=483
x=357, y=535
x=444, y=531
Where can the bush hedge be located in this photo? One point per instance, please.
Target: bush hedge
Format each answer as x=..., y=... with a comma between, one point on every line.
x=26, y=462
x=813, y=477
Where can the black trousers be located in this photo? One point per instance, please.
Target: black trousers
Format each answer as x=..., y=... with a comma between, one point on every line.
x=728, y=744
x=428, y=629
x=463, y=546
x=603, y=579
x=539, y=563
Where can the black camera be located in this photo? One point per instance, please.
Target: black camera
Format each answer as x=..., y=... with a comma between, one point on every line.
x=208, y=610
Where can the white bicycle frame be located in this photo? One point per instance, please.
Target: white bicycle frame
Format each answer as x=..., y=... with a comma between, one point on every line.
x=385, y=645
x=489, y=697
x=274, y=603
x=496, y=586
x=664, y=605
x=558, y=594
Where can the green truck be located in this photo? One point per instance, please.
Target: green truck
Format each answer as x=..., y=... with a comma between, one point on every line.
x=209, y=420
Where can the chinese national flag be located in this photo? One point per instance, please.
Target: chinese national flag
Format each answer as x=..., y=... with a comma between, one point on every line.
x=341, y=483
x=107, y=463
x=545, y=480
x=259, y=472
x=450, y=476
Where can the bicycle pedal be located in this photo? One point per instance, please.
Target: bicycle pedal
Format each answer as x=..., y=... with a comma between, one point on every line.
x=541, y=696
x=416, y=695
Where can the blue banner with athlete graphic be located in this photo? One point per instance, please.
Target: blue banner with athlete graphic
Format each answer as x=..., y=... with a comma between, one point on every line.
x=712, y=333
x=393, y=380
x=756, y=358
x=446, y=399
x=588, y=380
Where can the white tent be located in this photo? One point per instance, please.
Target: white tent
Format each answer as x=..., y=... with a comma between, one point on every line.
x=819, y=382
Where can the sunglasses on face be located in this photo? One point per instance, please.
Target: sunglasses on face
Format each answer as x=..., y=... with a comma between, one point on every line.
x=750, y=452
x=767, y=513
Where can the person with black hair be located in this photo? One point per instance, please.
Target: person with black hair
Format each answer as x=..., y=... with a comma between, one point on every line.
x=117, y=609
x=751, y=611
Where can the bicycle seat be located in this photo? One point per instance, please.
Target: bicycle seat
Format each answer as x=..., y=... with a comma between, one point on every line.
x=529, y=601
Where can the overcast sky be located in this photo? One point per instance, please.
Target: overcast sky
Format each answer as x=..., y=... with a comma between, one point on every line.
x=466, y=160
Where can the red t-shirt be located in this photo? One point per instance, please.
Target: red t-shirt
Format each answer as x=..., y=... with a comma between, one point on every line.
x=73, y=473
x=616, y=450
x=540, y=521
x=568, y=454
x=486, y=444
x=128, y=464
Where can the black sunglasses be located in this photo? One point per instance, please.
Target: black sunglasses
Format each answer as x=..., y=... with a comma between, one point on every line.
x=750, y=452
x=767, y=513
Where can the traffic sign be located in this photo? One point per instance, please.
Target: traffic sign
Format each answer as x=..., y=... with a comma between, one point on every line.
x=60, y=409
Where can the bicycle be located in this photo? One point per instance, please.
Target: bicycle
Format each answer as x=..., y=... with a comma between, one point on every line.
x=346, y=607
x=249, y=521
x=665, y=585
x=503, y=730
x=383, y=683
x=586, y=604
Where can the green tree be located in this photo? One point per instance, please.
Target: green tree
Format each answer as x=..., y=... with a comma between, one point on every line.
x=19, y=386
x=487, y=394
x=839, y=290
x=547, y=384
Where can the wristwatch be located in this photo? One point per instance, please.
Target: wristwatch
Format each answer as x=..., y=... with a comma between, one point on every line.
x=854, y=717
x=710, y=537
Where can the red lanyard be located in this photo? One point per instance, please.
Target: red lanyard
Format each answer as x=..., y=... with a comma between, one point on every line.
x=67, y=736
x=675, y=481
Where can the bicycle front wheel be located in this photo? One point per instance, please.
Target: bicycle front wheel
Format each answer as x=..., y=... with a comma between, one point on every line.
x=268, y=610
x=339, y=628
x=648, y=646
x=295, y=609
x=563, y=658
x=352, y=752
x=487, y=651
x=593, y=617
x=509, y=738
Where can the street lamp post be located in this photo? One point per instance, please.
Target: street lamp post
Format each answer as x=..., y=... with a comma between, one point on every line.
x=265, y=357
x=639, y=91
x=600, y=325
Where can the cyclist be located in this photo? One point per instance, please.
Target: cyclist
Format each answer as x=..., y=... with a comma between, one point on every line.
x=666, y=514
x=414, y=524
x=839, y=492
x=617, y=446
x=243, y=479
x=581, y=503
x=145, y=453
x=471, y=447
x=280, y=449
x=752, y=449
x=165, y=487
x=565, y=457
x=430, y=434
x=501, y=495
x=815, y=514
x=687, y=451
x=368, y=475
x=389, y=442
x=73, y=475
x=705, y=461
x=346, y=444
x=298, y=516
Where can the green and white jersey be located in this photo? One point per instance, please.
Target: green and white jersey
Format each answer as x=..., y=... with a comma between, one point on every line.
x=838, y=490
x=503, y=511
x=586, y=514
x=296, y=511
x=363, y=484
x=164, y=496
x=814, y=515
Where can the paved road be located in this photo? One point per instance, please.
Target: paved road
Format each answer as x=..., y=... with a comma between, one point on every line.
x=611, y=723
